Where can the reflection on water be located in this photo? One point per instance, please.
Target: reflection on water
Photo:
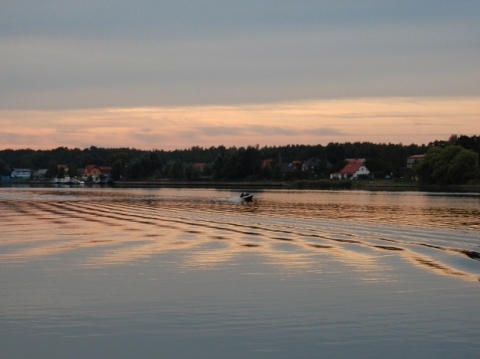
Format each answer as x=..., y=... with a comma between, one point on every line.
x=61, y=249
x=290, y=229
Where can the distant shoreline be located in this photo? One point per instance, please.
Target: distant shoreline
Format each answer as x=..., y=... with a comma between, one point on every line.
x=379, y=185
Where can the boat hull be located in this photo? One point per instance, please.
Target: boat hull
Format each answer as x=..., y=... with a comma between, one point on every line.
x=247, y=197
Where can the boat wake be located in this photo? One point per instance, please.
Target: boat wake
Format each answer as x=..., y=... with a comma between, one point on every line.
x=113, y=230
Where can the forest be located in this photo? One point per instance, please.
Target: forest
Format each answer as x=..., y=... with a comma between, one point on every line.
x=454, y=161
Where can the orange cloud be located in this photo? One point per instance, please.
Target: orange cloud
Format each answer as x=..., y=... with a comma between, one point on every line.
x=406, y=120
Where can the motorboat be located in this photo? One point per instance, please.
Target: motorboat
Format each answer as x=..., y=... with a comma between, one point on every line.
x=247, y=197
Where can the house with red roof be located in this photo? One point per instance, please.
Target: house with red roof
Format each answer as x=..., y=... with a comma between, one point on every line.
x=354, y=169
x=98, y=174
x=93, y=170
x=411, y=160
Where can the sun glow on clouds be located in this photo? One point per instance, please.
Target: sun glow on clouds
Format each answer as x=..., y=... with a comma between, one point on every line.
x=405, y=120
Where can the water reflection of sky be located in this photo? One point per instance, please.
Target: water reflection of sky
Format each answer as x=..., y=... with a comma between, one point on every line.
x=196, y=273
x=209, y=228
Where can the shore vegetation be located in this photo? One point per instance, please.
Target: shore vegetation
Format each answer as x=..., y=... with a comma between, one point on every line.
x=453, y=162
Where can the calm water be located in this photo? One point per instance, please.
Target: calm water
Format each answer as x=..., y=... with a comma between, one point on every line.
x=180, y=273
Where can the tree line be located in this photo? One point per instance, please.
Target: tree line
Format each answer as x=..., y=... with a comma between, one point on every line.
x=454, y=161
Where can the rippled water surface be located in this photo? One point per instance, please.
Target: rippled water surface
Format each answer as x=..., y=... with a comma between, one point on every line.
x=182, y=273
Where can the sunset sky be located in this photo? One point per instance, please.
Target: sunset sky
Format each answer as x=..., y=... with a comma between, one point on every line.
x=175, y=74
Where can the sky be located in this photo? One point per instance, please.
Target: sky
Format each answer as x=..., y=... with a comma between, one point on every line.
x=167, y=75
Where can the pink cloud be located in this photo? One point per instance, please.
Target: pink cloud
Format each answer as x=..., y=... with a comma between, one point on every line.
x=406, y=120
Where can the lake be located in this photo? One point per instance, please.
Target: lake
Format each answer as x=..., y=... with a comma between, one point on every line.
x=196, y=273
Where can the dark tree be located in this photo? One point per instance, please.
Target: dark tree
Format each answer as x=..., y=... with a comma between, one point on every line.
x=4, y=168
x=448, y=165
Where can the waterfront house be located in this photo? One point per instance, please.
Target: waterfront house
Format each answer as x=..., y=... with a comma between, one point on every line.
x=21, y=173
x=354, y=169
x=411, y=160
x=97, y=173
x=40, y=174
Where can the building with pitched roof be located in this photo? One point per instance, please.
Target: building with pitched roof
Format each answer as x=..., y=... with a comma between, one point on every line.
x=21, y=173
x=97, y=174
x=354, y=169
x=411, y=160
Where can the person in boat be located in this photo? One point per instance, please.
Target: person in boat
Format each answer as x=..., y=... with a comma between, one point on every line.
x=246, y=196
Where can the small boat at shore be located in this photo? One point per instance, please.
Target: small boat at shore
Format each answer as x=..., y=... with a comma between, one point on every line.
x=67, y=181
x=247, y=197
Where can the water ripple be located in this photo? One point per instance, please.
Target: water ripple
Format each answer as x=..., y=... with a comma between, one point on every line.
x=210, y=228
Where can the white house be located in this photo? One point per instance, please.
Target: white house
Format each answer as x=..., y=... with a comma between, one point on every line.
x=21, y=173
x=354, y=168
